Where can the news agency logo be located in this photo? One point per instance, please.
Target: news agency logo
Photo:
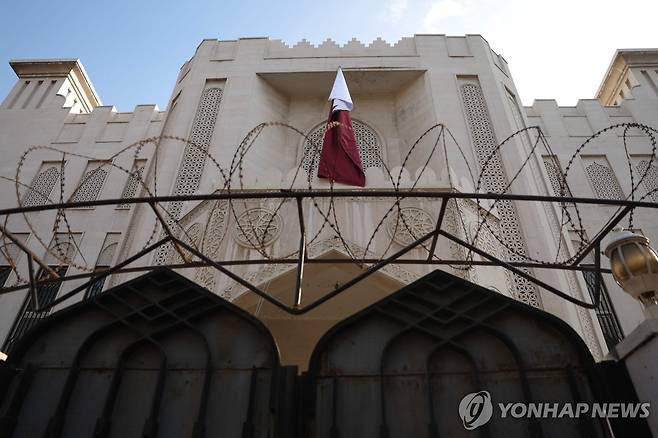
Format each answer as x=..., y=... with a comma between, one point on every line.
x=475, y=409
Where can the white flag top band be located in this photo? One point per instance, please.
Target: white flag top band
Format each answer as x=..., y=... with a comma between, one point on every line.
x=340, y=95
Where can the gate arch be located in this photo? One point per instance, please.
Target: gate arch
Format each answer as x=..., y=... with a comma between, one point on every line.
x=156, y=356
x=400, y=367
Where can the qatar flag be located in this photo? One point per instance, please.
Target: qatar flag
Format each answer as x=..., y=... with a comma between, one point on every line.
x=340, y=160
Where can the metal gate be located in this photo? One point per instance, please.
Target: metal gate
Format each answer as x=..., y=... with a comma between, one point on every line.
x=155, y=357
x=161, y=357
x=401, y=367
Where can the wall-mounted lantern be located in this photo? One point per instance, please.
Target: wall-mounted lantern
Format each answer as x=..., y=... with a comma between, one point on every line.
x=634, y=266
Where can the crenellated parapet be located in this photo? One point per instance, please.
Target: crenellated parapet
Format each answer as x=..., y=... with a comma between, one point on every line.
x=462, y=46
x=585, y=118
x=104, y=124
x=329, y=48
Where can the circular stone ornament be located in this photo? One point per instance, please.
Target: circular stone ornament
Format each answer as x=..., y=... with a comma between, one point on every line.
x=412, y=224
x=257, y=228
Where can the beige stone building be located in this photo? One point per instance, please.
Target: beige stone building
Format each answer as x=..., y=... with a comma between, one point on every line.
x=400, y=90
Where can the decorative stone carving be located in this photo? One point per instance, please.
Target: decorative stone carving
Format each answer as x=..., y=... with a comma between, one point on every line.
x=41, y=187
x=409, y=224
x=494, y=179
x=215, y=231
x=604, y=182
x=194, y=159
x=91, y=183
x=467, y=228
x=192, y=237
x=257, y=228
x=556, y=177
x=651, y=179
x=133, y=183
x=270, y=271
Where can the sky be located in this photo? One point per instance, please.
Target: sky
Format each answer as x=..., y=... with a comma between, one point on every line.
x=133, y=49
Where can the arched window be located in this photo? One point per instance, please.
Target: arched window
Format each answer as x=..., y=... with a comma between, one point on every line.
x=650, y=173
x=103, y=263
x=603, y=179
x=91, y=184
x=41, y=187
x=62, y=250
x=370, y=147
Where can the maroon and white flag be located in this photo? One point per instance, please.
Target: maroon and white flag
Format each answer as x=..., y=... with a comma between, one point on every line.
x=340, y=160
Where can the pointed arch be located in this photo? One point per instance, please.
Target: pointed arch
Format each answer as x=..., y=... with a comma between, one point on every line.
x=371, y=146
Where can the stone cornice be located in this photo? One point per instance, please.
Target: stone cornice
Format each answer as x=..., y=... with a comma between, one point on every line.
x=615, y=76
x=67, y=67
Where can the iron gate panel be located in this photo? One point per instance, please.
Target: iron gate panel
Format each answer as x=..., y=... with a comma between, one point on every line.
x=157, y=356
x=160, y=356
x=400, y=367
